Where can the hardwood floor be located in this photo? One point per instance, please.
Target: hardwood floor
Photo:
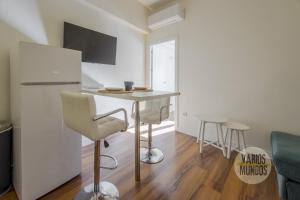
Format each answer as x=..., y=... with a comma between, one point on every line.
x=183, y=174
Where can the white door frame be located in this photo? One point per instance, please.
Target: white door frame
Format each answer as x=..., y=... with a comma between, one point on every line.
x=155, y=42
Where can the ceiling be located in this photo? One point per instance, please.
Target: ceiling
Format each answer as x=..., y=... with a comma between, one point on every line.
x=153, y=4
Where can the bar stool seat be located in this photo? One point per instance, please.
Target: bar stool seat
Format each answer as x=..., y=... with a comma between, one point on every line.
x=239, y=129
x=218, y=121
x=108, y=126
x=211, y=119
x=236, y=126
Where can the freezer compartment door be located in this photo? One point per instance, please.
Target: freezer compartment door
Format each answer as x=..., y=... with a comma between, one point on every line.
x=51, y=152
x=42, y=63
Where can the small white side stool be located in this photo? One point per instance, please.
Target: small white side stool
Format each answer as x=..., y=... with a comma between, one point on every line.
x=239, y=129
x=211, y=120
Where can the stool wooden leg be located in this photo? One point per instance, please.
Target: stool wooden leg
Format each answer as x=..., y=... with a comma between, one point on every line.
x=238, y=138
x=218, y=135
x=229, y=144
x=226, y=136
x=244, y=143
x=222, y=140
x=199, y=131
x=202, y=136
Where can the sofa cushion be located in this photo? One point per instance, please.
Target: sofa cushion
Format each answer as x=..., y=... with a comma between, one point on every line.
x=281, y=180
x=293, y=190
x=286, y=154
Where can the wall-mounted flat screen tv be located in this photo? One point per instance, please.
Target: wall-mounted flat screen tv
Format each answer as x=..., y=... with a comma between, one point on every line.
x=95, y=47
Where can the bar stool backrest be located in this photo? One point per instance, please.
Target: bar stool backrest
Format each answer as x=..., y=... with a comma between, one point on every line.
x=156, y=105
x=78, y=112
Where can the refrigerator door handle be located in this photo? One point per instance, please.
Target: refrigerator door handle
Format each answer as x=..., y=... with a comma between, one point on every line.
x=51, y=83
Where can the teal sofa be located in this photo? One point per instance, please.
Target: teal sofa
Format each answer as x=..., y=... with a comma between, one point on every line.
x=286, y=158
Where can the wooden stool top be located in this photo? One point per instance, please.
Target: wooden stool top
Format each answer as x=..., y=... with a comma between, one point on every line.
x=211, y=119
x=236, y=126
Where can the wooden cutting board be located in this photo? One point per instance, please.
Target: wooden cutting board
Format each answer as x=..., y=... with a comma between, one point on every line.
x=122, y=91
x=114, y=92
x=147, y=90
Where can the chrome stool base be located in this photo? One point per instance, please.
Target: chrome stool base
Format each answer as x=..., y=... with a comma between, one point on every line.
x=151, y=157
x=108, y=191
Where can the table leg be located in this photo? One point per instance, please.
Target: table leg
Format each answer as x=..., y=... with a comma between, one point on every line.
x=137, y=142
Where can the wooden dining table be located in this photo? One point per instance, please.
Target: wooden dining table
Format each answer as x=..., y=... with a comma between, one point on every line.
x=137, y=97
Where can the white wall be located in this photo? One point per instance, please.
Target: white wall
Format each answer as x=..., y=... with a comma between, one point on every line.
x=240, y=59
x=9, y=40
x=42, y=21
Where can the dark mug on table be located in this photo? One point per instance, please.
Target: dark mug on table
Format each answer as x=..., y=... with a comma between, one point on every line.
x=128, y=85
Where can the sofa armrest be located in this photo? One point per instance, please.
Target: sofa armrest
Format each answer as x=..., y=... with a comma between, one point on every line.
x=286, y=154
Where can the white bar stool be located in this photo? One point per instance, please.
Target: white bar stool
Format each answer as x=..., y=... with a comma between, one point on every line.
x=79, y=113
x=211, y=120
x=155, y=112
x=239, y=129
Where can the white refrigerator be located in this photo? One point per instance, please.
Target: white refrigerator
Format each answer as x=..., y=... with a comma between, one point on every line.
x=46, y=152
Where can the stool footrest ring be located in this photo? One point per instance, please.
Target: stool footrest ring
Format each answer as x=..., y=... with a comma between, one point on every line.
x=110, y=167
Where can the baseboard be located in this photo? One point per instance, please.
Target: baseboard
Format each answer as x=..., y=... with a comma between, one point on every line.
x=234, y=144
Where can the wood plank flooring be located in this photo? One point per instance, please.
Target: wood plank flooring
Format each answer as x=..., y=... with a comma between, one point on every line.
x=182, y=175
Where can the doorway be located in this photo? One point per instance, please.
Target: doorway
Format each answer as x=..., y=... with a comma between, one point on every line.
x=163, y=70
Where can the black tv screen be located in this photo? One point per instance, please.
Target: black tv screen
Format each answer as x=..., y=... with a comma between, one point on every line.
x=95, y=47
